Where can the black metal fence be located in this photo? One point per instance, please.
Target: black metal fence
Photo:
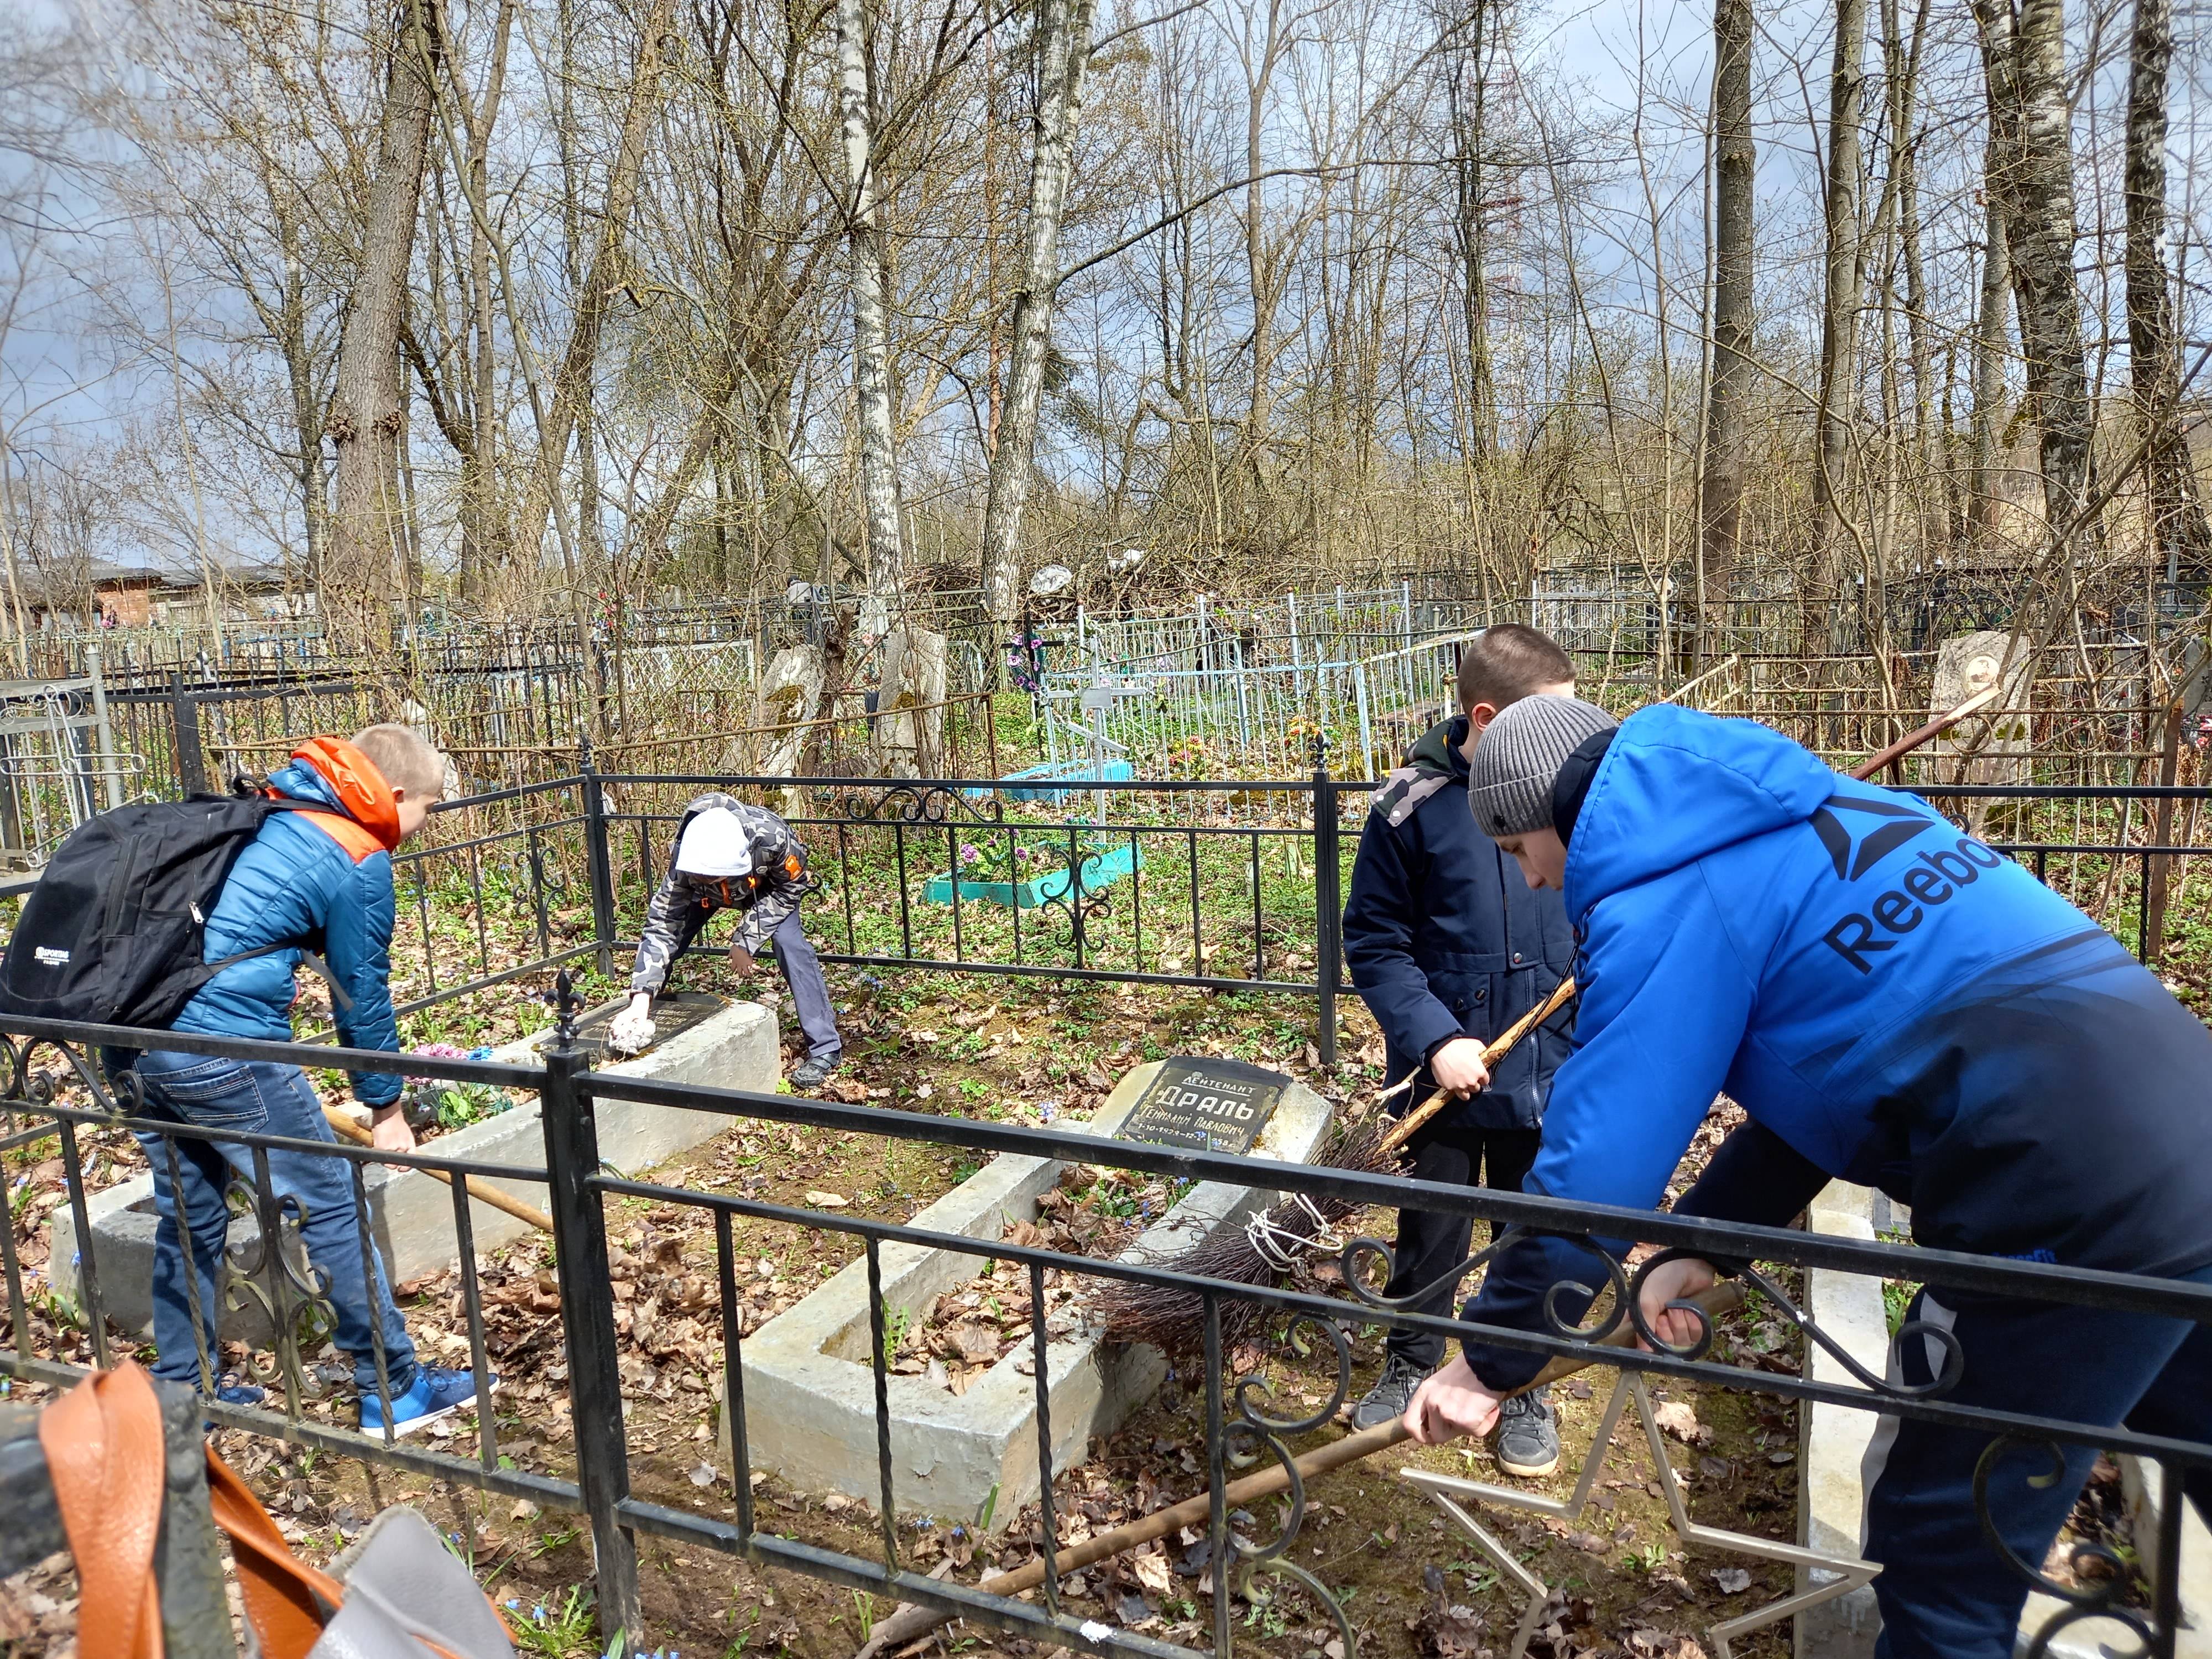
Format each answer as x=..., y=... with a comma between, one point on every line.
x=1223, y=886
x=56, y=1086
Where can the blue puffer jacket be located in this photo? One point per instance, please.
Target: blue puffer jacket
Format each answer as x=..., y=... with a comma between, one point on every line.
x=1891, y=1002
x=328, y=889
x=1445, y=940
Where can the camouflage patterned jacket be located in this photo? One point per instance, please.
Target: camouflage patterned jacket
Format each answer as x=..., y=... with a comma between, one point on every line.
x=682, y=906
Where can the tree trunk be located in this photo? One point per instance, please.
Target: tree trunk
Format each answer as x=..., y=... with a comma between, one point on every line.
x=1728, y=396
x=595, y=294
x=872, y=337
x=1839, y=310
x=1468, y=80
x=1063, y=54
x=2030, y=119
x=365, y=418
x=2178, y=531
x=1990, y=340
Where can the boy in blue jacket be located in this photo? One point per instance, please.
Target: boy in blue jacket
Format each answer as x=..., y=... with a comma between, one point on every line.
x=1893, y=1004
x=318, y=875
x=1447, y=947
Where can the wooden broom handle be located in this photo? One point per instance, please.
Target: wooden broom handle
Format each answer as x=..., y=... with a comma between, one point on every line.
x=1403, y=1129
x=483, y=1191
x=910, y=1622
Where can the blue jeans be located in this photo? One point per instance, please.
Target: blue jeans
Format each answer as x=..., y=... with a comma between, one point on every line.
x=261, y=1098
x=1944, y=1593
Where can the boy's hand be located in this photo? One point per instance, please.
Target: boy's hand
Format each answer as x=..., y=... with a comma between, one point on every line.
x=1458, y=1069
x=741, y=960
x=631, y=1029
x=1675, y=1281
x=1451, y=1403
x=388, y=1131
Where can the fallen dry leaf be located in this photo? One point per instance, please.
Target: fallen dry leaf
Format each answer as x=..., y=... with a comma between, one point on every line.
x=1153, y=1572
x=1676, y=1418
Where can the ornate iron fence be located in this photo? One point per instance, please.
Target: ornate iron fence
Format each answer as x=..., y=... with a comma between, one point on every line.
x=58, y=1085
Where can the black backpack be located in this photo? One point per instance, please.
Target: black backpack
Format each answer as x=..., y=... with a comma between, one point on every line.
x=112, y=934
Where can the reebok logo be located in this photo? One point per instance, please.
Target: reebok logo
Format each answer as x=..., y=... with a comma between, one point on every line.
x=1931, y=879
x=50, y=957
x=1893, y=826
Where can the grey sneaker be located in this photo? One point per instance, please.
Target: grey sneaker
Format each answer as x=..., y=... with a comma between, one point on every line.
x=1528, y=1434
x=1392, y=1393
x=811, y=1073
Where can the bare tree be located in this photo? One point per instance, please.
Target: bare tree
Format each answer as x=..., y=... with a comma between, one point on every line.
x=2030, y=118
x=366, y=416
x=1844, y=277
x=1729, y=395
x=2179, y=529
x=1062, y=52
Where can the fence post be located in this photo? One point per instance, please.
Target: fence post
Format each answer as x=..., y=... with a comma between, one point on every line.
x=185, y=729
x=1329, y=906
x=602, y=865
x=587, y=1324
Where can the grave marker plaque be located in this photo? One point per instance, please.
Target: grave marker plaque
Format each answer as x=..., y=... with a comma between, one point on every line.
x=1206, y=1105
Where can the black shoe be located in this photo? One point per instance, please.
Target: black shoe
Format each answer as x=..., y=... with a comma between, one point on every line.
x=1392, y=1393
x=811, y=1073
x=1528, y=1435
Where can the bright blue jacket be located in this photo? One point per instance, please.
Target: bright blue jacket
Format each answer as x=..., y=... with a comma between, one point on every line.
x=1890, y=1000
x=295, y=883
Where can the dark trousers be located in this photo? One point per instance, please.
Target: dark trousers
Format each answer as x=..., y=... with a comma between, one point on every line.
x=1430, y=1245
x=810, y=992
x=1944, y=1592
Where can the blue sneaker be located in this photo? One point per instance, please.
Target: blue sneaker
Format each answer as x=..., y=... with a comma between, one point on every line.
x=232, y=1392
x=438, y=1391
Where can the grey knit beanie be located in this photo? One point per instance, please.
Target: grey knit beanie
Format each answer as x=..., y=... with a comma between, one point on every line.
x=1509, y=785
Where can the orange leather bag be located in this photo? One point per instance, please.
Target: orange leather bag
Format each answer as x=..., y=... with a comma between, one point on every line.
x=411, y=1598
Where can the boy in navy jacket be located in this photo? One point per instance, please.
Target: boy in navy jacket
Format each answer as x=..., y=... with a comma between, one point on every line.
x=1447, y=947
x=1893, y=1004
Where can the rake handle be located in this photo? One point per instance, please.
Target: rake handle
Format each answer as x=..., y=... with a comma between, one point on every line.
x=483, y=1191
x=909, y=1622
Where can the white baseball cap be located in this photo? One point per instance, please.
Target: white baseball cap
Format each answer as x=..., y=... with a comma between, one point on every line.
x=715, y=845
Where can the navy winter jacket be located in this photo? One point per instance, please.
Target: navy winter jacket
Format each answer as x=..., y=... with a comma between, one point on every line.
x=327, y=889
x=1445, y=940
x=1891, y=1002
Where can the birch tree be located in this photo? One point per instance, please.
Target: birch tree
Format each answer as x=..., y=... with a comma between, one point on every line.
x=2031, y=126
x=1063, y=53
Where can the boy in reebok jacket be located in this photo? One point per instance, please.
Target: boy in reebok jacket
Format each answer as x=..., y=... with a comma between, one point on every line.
x=1893, y=1004
x=1447, y=947
x=731, y=854
x=318, y=877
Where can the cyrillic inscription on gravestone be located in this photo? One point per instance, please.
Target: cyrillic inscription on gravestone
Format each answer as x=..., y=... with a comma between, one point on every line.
x=1208, y=1105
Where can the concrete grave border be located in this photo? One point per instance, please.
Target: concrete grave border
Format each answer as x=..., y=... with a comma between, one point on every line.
x=810, y=1390
x=411, y=1213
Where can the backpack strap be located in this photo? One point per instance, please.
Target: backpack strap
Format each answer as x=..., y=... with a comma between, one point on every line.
x=105, y=1457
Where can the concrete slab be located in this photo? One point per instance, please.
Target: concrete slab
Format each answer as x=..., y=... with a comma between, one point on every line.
x=810, y=1389
x=411, y=1213
x=1833, y=1439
